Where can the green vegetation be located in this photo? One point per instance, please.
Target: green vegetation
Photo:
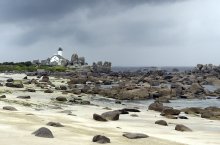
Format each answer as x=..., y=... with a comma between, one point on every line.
x=28, y=66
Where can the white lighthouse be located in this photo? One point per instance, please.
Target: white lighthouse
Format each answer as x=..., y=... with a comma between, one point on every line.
x=60, y=51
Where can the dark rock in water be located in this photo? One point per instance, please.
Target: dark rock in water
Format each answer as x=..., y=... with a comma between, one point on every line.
x=111, y=115
x=156, y=106
x=1, y=85
x=170, y=111
x=31, y=90
x=161, y=122
x=131, y=110
x=183, y=117
x=101, y=139
x=182, y=128
x=218, y=98
x=135, y=135
x=10, y=80
x=99, y=118
x=25, y=78
x=55, y=124
x=10, y=108
x=43, y=132
x=24, y=97
x=48, y=91
x=2, y=96
x=61, y=99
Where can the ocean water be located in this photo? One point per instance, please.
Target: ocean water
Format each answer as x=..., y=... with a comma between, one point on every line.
x=143, y=104
x=133, y=69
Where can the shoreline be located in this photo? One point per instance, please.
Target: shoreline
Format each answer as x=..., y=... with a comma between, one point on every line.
x=79, y=126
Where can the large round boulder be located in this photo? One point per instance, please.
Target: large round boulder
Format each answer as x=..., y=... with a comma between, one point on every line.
x=43, y=132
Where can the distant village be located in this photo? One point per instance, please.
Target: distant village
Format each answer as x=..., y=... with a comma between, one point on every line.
x=75, y=62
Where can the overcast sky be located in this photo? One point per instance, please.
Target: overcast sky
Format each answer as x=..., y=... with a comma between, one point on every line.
x=125, y=32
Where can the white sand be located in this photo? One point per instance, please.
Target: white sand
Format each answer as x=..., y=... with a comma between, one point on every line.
x=16, y=127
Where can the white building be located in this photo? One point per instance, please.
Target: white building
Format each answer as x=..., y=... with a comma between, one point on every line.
x=58, y=58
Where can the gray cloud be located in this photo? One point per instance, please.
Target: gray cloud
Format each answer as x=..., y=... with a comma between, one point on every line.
x=126, y=32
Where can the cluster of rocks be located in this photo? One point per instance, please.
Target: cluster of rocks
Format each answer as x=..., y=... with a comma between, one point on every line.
x=102, y=67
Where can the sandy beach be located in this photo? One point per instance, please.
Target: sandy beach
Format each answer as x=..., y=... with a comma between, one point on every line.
x=16, y=127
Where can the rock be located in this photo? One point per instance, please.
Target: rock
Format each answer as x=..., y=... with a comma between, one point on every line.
x=183, y=117
x=161, y=122
x=55, y=124
x=180, y=127
x=196, y=88
x=117, y=102
x=84, y=102
x=31, y=90
x=131, y=110
x=44, y=79
x=25, y=78
x=99, y=118
x=163, y=100
x=48, y=91
x=111, y=115
x=156, y=106
x=24, y=97
x=171, y=117
x=10, y=108
x=101, y=139
x=170, y=111
x=218, y=98
x=10, y=80
x=43, y=132
x=61, y=99
x=62, y=87
x=217, y=91
x=2, y=96
x=134, y=115
x=192, y=110
x=14, y=85
x=207, y=114
x=135, y=135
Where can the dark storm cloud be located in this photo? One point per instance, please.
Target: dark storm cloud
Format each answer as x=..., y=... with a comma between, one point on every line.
x=138, y=30
x=19, y=10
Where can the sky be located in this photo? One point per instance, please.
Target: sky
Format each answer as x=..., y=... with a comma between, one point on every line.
x=125, y=32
